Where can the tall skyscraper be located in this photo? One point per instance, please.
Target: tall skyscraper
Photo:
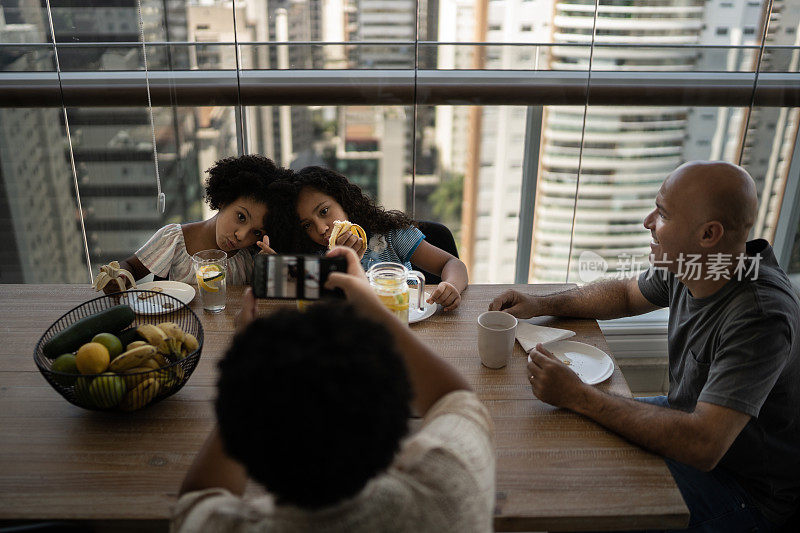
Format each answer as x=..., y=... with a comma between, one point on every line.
x=113, y=147
x=40, y=230
x=626, y=151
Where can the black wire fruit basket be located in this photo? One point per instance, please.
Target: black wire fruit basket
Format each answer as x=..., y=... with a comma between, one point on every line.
x=161, y=349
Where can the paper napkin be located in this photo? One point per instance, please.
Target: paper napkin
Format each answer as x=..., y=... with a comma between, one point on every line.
x=530, y=335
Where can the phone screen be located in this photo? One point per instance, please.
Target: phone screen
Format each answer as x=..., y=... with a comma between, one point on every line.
x=291, y=277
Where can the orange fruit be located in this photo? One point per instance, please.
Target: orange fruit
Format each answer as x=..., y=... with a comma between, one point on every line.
x=92, y=358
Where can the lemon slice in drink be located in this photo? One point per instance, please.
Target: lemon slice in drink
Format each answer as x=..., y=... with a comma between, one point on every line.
x=208, y=277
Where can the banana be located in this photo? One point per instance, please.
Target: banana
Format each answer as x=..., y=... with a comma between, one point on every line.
x=132, y=358
x=152, y=334
x=113, y=272
x=160, y=361
x=343, y=226
x=141, y=395
x=135, y=344
x=151, y=364
x=190, y=343
x=170, y=377
x=174, y=343
x=172, y=330
x=134, y=376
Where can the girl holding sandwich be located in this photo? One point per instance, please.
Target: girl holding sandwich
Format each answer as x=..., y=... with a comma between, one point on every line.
x=321, y=196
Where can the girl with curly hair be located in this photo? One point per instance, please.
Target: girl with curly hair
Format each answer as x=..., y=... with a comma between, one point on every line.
x=237, y=188
x=320, y=196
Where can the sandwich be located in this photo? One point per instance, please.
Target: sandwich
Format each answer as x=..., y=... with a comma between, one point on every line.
x=343, y=226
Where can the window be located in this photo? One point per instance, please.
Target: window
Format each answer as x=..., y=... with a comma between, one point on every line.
x=722, y=31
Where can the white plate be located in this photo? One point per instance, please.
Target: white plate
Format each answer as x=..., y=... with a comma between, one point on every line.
x=592, y=365
x=182, y=291
x=415, y=315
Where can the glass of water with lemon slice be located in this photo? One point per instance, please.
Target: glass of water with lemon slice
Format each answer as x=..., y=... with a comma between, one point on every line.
x=210, y=268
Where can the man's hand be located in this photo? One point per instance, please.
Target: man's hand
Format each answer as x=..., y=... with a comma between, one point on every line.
x=551, y=380
x=351, y=240
x=248, y=312
x=446, y=295
x=515, y=303
x=264, y=245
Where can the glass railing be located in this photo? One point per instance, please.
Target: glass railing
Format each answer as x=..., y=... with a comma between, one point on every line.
x=451, y=115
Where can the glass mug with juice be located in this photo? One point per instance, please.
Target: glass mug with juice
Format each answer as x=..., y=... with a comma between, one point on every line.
x=210, y=268
x=390, y=283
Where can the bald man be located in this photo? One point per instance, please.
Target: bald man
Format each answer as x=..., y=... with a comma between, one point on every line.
x=730, y=425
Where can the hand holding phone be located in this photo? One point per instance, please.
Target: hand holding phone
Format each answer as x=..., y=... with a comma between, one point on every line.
x=295, y=277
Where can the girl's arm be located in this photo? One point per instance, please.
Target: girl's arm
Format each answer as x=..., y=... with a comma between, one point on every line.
x=449, y=267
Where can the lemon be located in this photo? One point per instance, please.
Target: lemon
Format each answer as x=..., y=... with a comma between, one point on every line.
x=111, y=342
x=92, y=358
x=208, y=276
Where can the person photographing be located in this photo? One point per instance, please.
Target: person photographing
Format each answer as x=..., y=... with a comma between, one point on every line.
x=317, y=413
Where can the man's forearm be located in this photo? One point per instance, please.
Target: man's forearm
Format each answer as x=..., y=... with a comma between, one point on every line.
x=667, y=432
x=602, y=300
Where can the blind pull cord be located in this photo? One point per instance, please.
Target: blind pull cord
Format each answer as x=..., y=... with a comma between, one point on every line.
x=162, y=198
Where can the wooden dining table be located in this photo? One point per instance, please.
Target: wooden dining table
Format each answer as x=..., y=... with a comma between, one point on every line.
x=556, y=470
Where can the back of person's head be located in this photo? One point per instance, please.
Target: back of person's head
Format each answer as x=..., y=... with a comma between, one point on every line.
x=313, y=404
x=359, y=207
x=241, y=176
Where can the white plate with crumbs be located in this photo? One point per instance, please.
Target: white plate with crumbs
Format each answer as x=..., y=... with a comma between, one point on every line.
x=144, y=304
x=592, y=364
x=415, y=315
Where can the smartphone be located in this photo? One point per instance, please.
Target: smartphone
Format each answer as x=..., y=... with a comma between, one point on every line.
x=295, y=277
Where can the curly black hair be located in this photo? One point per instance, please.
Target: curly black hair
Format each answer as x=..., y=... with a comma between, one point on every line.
x=359, y=207
x=282, y=223
x=311, y=409
x=243, y=176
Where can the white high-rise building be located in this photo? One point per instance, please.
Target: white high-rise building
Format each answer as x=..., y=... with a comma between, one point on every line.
x=627, y=151
x=502, y=128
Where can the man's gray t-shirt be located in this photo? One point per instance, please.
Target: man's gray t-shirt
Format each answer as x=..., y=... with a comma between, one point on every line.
x=740, y=348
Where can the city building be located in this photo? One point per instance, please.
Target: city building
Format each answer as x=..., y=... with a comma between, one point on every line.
x=40, y=230
x=113, y=147
x=621, y=154
x=368, y=150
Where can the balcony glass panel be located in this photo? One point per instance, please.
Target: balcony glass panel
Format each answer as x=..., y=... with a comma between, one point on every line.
x=469, y=171
x=459, y=164
x=113, y=153
x=41, y=230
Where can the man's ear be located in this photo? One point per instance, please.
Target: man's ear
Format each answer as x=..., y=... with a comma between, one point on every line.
x=711, y=233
